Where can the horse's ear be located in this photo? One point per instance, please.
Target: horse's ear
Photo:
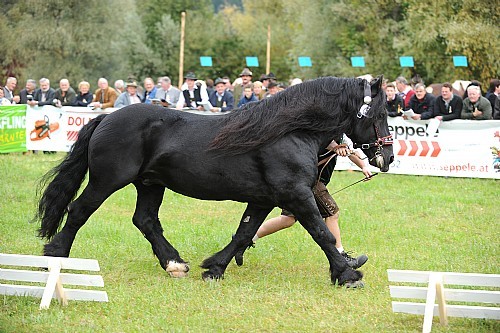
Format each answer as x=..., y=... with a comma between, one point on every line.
x=376, y=85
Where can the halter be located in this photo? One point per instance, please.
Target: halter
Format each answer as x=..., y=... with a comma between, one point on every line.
x=367, y=100
x=379, y=143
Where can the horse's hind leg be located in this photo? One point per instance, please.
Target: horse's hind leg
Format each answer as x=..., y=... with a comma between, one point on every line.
x=250, y=222
x=149, y=199
x=79, y=212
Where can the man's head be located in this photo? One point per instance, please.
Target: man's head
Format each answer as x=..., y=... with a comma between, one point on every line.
x=11, y=83
x=447, y=91
x=149, y=84
x=165, y=83
x=102, y=83
x=190, y=78
x=220, y=86
x=247, y=90
x=401, y=83
x=64, y=84
x=132, y=87
x=119, y=85
x=272, y=87
x=44, y=84
x=30, y=85
x=473, y=92
x=390, y=91
x=246, y=76
x=420, y=90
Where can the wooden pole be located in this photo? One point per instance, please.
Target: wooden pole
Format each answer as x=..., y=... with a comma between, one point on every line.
x=181, y=52
x=268, y=53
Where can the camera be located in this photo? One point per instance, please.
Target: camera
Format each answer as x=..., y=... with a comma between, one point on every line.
x=29, y=98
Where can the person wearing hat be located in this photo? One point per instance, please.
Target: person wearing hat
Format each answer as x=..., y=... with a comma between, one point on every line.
x=267, y=78
x=129, y=96
x=246, y=78
x=221, y=99
x=192, y=93
x=272, y=89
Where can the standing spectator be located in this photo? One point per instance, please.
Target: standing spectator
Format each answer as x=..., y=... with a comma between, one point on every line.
x=448, y=106
x=272, y=89
x=192, y=93
x=130, y=96
x=475, y=106
x=8, y=90
x=150, y=90
x=422, y=103
x=84, y=96
x=105, y=96
x=3, y=100
x=395, y=104
x=44, y=95
x=248, y=96
x=405, y=91
x=167, y=93
x=246, y=78
x=221, y=99
x=65, y=95
x=29, y=90
x=119, y=86
x=496, y=112
x=493, y=92
x=266, y=79
x=227, y=82
x=210, y=86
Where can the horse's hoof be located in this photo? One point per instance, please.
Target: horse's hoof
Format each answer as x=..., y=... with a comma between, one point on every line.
x=177, y=269
x=207, y=277
x=355, y=284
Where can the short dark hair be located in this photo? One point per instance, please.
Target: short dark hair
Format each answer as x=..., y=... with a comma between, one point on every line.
x=447, y=85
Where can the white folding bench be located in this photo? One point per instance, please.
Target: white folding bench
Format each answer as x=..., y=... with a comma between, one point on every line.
x=473, y=300
x=50, y=283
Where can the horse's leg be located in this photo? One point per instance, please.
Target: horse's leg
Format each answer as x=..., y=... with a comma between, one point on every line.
x=308, y=215
x=250, y=222
x=79, y=212
x=149, y=199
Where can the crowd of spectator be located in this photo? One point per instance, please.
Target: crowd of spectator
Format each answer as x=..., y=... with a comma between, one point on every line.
x=221, y=95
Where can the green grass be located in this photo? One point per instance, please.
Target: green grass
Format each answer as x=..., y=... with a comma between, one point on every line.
x=401, y=222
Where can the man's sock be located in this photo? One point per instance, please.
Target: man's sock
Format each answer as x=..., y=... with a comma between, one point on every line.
x=340, y=249
x=254, y=239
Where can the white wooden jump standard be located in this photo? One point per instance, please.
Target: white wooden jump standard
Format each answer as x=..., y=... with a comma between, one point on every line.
x=435, y=291
x=53, y=279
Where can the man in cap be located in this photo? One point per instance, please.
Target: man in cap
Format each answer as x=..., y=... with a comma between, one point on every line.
x=192, y=93
x=129, y=96
x=246, y=78
x=221, y=99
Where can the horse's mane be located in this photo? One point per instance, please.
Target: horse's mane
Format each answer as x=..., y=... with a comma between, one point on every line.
x=308, y=107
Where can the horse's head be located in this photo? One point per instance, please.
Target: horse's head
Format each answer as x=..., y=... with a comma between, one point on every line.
x=371, y=131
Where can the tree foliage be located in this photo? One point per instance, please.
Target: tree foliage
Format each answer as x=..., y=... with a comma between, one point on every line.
x=129, y=38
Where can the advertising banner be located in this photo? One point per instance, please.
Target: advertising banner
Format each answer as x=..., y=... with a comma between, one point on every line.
x=12, y=128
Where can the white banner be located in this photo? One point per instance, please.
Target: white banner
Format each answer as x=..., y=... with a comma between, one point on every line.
x=56, y=129
x=457, y=148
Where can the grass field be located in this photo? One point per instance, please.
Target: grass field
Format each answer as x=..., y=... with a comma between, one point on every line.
x=400, y=222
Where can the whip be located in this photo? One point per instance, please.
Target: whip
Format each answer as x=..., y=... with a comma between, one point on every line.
x=359, y=181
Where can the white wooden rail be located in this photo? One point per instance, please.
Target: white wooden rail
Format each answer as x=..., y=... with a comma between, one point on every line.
x=53, y=279
x=435, y=291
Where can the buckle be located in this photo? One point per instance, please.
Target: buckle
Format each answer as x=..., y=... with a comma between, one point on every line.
x=365, y=146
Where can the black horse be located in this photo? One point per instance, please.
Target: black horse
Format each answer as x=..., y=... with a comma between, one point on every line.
x=264, y=154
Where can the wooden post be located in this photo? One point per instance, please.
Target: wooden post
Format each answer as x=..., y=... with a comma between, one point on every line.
x=181, y=52
x=268, y=53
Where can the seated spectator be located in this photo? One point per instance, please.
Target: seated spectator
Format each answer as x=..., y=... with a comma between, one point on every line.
x=192, y=93
x=258, y=90
x=150, y=90
x=130, y=96
x=422, y=103
x=248, y=96
x=105, y=96
x=65, y=95
x=3, y=101
x=395, y=104
x=405, y=91
x=475, y=106
x=448, y=106
x=493, y=92
x=167, y=93
x=28, y=92
x=84, y=96
x=119, y=86
x=272, y=89
x=221, y=99
x=8, y=90
x=44, y=95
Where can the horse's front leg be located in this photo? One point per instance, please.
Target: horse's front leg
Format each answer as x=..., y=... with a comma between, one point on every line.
x=307, y=213
x=249, y=224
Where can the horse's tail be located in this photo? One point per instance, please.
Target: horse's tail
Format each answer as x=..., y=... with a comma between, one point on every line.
x=64, y=180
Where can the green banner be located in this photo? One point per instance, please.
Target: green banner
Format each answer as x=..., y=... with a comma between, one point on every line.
x=12, y=128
